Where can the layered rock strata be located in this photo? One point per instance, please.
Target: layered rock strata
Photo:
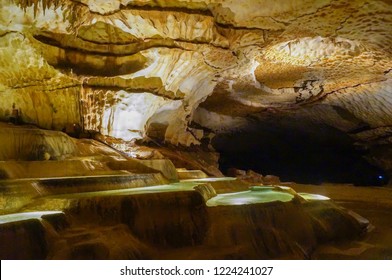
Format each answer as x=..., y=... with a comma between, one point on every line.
x=134, y=69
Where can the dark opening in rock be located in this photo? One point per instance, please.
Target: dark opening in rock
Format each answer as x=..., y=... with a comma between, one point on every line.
x=301, y=152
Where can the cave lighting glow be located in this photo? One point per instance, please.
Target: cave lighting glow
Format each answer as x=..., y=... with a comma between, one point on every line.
x=204, y=180
x=253, y=196
x=10, y=218
x=176, y=187
x=309, y=196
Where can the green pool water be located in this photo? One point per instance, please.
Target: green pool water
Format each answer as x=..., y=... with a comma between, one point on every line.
x=310, y=196
x=255, y=195
x=206, y=180
x=10, y=218
x=176, y=187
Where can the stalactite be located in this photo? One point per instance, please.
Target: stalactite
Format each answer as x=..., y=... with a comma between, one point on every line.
x=35, y=4
x=46, y=4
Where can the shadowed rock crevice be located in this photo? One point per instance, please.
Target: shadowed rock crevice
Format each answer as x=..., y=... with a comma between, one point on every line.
x=298, y=151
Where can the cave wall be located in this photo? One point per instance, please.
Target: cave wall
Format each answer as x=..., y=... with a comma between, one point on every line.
x=169, y=70
x=43, y=95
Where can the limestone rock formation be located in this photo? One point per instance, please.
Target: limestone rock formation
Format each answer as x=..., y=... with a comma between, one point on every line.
x=253, y=177
x=130, y=69
x=176, y=74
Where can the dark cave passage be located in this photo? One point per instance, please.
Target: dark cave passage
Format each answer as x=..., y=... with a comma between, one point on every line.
x=299, y=152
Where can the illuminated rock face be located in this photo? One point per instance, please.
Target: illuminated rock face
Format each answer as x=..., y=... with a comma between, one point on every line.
x=132, y=69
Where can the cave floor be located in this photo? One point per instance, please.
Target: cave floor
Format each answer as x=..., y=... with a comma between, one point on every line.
x=373, y=203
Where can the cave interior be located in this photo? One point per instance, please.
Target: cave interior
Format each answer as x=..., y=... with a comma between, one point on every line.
x=208, y=129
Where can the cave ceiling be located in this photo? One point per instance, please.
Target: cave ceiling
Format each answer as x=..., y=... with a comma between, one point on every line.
x=175, y=69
